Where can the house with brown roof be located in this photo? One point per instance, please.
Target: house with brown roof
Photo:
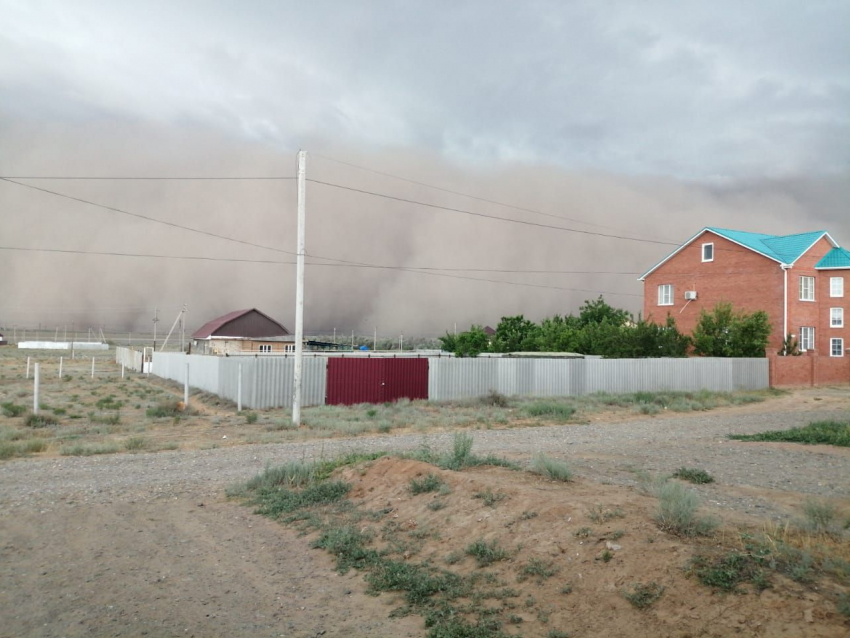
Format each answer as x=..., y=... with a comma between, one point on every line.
x=801, y=281
x=242, y=331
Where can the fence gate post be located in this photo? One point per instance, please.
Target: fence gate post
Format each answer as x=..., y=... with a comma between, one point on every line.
x=35, y=390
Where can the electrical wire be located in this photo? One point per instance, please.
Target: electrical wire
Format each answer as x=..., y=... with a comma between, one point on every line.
x=290, y=263
x=145, y=217
x=486, y=216
x=460, y=194
x=142, y=178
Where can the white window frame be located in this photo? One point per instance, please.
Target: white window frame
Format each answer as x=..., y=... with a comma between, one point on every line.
x=665, y=295
x=704, y=260
x=289, y=348
x=836, y=314
x=836, y=286
x=265, y=347
x=840, y=343
x=806, y=279
x=807, y=338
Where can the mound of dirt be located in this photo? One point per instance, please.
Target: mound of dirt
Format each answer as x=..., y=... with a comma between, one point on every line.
x=575, y=553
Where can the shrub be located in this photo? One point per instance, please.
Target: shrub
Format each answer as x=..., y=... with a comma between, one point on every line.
x=10, y=409
x=40, y=420
x=677, y=512
x=108, y=403
x=487, y=553
x=551, y=410
x=251, y=417
x=164, y=409
x=643, y=595
x=135, y=444
x=537, y=568
x=693, y=475
x=820, y=515
x=552, y=469
x=728, y=571
x=495, y=399
x=429, y=483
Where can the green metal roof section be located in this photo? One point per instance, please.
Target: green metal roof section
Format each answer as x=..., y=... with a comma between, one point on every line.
x=783, y=248
x=835, y=258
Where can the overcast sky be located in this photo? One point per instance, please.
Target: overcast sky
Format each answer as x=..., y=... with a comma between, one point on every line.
x=649, y=117
x=692, y=89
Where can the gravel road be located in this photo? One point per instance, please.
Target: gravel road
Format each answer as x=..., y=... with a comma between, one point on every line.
x=748, y=476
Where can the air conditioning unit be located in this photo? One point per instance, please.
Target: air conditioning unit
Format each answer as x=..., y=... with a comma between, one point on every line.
x=690, y=295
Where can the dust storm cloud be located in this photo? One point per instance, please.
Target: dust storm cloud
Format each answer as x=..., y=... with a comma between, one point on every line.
x=121, y=292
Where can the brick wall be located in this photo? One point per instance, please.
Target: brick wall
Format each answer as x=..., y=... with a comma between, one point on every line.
x=808, y=370
x=738, y=275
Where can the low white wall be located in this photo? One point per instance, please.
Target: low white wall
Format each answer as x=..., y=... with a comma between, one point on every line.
x=63, y=345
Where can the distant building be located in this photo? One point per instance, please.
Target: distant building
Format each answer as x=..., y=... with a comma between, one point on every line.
x=242, y=331
x=3, y=341
x=250, y=332
x=800, y=281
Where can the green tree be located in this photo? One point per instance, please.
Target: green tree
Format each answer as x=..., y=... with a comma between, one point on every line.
x=598, y=311
x=723, y=332
x=516, y=334
x=558, y=334
x=466, y=344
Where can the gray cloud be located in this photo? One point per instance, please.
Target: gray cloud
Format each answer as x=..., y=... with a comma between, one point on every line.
x=653, y=119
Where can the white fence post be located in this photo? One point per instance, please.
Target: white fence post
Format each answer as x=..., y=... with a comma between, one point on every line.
x=122, y=369
x=60, y=367
x=239, y=390
x=186, y=388
x=92, y=367
x=35, y=390
x=28, y=367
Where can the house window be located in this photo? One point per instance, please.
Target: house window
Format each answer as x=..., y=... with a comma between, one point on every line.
x=836, y=317
x=665, y=295
x=836, y=286
x=265, y=347
x=807, y=338
x=708, y=252
x=289, y=348
x=836, y=347
x=807, y=288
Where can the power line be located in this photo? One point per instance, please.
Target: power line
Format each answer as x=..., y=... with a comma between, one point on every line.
x=145, y=217
x=484, y=215
x=351, y=264
x=142, y=178
x=460, y=194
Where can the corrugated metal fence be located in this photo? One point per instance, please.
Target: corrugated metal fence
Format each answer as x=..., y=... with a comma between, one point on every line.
x=267, y=381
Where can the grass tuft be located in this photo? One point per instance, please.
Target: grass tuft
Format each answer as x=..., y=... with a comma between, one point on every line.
x=677, y=512
x=553, y=469
x=40, y=420
x=11, y=409
x=550, y=410
x=820, y=515
x=693, y=475
x=486, y=553
x=644, y=595
x=164, y=409
x=429, y=483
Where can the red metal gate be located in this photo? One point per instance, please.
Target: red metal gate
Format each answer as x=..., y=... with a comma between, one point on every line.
x=375, y=380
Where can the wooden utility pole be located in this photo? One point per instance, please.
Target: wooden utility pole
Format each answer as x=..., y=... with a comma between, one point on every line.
x=299, y=288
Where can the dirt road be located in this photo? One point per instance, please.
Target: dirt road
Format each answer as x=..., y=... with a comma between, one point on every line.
x=146, y=544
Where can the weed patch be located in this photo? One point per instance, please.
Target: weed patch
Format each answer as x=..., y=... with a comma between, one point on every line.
x=819, y=432
x=550, y=410
x=40, y=420
x=429, y=483
x=677, y=512
x=11, y=409
x=164, y=409
x=644, y=595
x=693, y=475
x=553, y=469
x=486, y=553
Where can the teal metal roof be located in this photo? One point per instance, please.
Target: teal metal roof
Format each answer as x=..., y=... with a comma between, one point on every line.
x=835, y=258
x=783, y=248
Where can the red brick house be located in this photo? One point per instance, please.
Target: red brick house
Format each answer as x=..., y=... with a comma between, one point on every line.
x=802, y=281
